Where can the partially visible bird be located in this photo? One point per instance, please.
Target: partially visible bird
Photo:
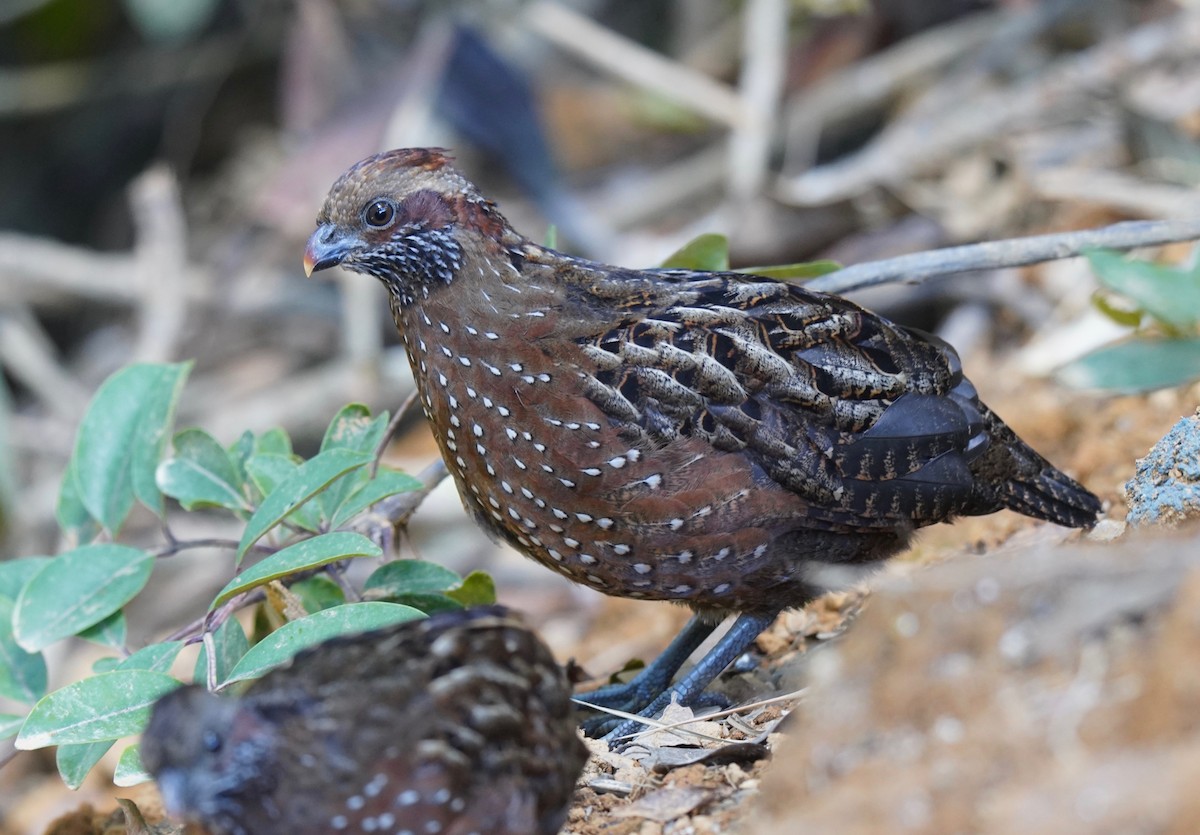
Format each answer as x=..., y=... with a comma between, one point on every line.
x=720, y=440
x=459, y=723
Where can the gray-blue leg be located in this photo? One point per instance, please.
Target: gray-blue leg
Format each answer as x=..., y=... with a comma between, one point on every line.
x=639, y=691
x=736, y=641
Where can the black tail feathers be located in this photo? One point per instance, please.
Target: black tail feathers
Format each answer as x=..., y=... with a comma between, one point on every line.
x=1020, y=479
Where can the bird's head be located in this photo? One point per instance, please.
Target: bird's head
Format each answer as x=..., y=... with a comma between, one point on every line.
x=205, y=751
x=405, y=217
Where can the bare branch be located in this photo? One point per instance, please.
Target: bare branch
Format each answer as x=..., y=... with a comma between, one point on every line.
x=1014, y=252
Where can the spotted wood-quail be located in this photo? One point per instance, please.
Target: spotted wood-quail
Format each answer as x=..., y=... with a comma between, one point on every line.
x=716, y=439
x=459, y=723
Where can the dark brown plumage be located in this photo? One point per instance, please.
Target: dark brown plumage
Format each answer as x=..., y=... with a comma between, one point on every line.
x=716, y=439
x=459, y=723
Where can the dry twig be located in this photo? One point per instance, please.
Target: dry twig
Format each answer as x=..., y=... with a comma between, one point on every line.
x=1014, y=252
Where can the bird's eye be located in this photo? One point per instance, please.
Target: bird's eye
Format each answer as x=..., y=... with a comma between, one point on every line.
x=211, y=741
x=379, y=213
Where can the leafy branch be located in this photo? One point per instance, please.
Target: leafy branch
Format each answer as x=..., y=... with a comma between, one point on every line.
x=302, y=522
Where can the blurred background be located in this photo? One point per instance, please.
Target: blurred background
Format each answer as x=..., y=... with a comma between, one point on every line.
x=162, y=162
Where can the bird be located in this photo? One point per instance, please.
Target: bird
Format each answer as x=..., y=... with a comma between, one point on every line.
x=729, y=442
x=454, y=724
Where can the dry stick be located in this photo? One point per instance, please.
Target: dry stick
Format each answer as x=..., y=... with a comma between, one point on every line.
x=632, y=62
x=160, y=256
x=921, y=141
x=390, y=432
x=1014, y=252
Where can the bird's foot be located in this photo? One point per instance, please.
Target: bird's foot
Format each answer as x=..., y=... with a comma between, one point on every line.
x=690, y=689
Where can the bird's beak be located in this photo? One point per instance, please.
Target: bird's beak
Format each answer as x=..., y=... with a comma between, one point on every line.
x=327, y=247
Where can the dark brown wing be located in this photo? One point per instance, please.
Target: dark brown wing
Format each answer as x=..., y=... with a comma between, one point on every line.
x=872, y=424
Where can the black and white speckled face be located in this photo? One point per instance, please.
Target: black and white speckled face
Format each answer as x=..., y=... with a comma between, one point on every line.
x=399, y=216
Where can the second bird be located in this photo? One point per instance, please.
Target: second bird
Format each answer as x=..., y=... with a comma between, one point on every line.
x=716, y=439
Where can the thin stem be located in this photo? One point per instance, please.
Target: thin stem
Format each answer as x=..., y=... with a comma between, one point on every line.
x=392, y=427
x=1013, y=252
x=174, y=546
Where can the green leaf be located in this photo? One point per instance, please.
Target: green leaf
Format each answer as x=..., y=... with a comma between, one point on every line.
x=273, y=442
x=121, y=439
x=129, y=770
x=230, y=643
x=428, y=602
x=386, y=483
x=319, y=592
x=297, y=488
x=14, y=574
x=268, y=471
x=410, y=577
x=157, y=657
x=22, y=673
x=705, y=252
x=72, y=516
x=278, y=647
x=1104, y=302
x=795, y=272
x=10, y=723
x=1136, y=365
x=75, y=761
x=97, y=709
x=78, y=589
x=239, y=453
x=113, y=631
x=306, y=554
x=1170, y=295
x=201, y=474
x=354, y=429
x=477, y=589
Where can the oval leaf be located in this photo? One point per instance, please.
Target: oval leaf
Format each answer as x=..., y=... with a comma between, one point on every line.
x=278, y=647
x=10, y=723
x=158, y=657
x=306, y=554
x=320, y=592
x=129, y=770
x=705, y=252
x=201, y=473
x=410, y=577
x=76, y=590
x=386, y=483
x=352, y=428
x=22, y=674
x=72, y=516
x=1167, y=293
x=1136, y=365
x=297, y=488
x=14, y=574
x=75, y=761
x=121, y=438
x=113, y=631
x=795, y=272
x=477, y=589
x=104, y=707
x=273, y=441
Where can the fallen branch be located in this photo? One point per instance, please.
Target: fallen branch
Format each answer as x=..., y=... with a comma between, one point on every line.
x=1014, y=252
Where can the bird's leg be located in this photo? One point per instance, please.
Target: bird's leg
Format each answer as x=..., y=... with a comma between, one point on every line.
x=736, y=641
x=643, y=688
